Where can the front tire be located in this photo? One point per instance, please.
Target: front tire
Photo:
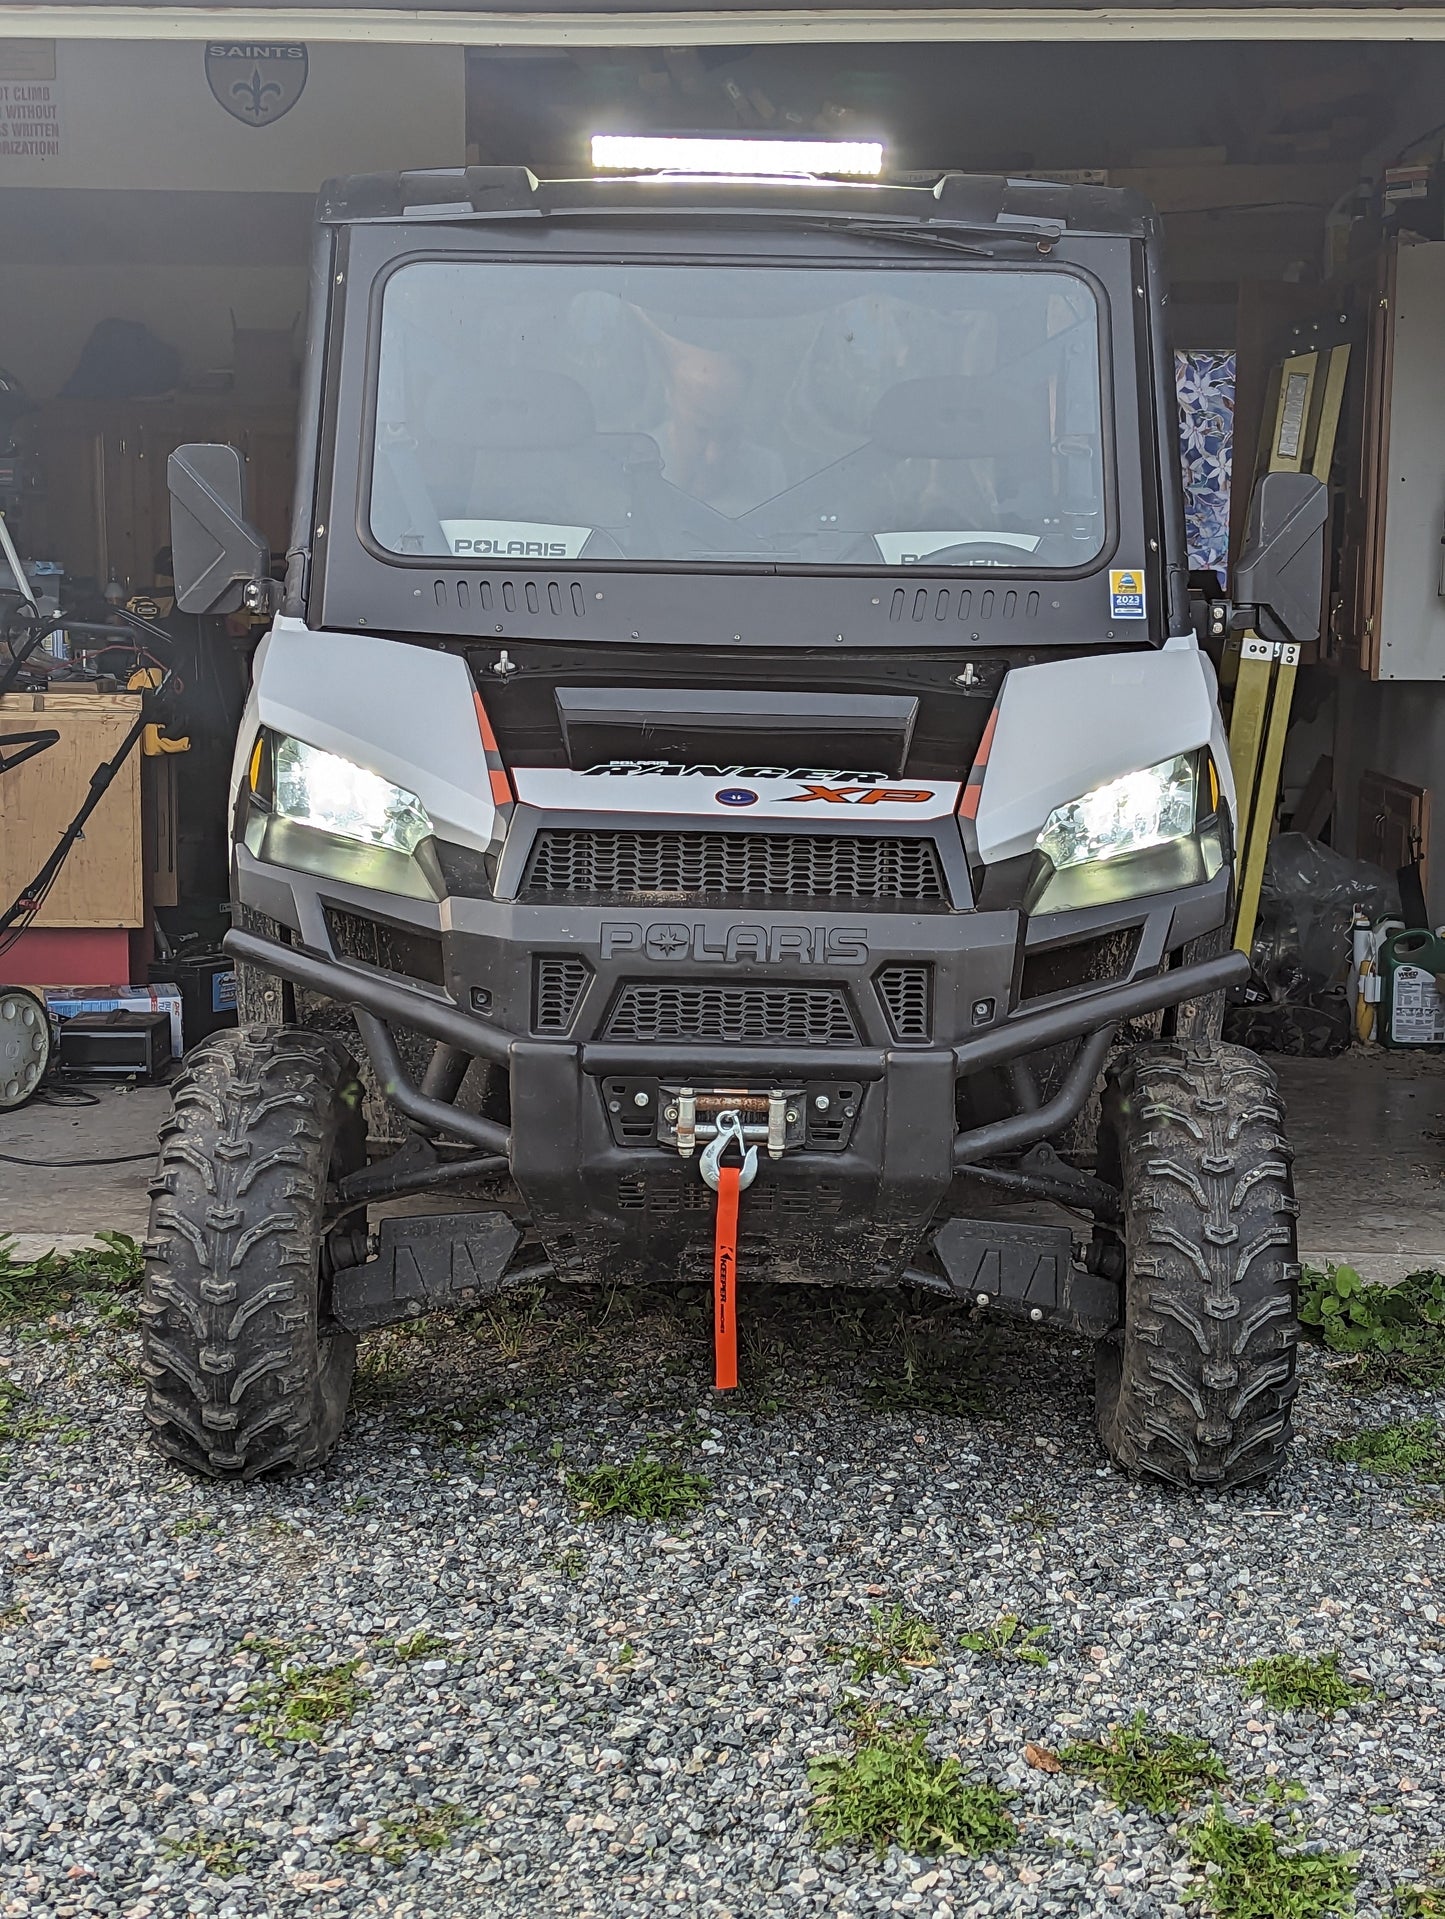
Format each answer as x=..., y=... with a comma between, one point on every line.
x=1197, y=1386
x=247, y=1371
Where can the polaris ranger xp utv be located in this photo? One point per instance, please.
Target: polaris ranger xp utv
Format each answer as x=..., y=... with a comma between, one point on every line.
x=732, y=787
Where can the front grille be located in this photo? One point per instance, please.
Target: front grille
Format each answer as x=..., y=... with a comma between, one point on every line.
x=638, y=865
x=906, y=993
x=557, y=987
x=742, y=1015
x=788, y=1196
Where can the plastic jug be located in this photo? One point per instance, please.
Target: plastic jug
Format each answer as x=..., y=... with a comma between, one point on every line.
x=1412, y=1007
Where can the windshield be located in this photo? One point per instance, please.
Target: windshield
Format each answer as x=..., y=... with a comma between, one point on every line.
x=885, y=416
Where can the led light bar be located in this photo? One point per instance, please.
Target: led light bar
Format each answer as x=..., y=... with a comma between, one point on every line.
x=669, y=153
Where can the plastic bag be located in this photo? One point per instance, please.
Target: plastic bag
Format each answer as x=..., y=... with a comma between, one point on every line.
x=1306, y=906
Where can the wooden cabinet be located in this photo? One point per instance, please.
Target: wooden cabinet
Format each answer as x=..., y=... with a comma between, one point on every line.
x=101, y=505
x=101, y=881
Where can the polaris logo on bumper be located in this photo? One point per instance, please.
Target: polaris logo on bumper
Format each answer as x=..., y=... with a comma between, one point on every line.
x=672, y=941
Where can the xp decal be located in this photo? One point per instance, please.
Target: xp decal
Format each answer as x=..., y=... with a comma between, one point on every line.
x=863, y=795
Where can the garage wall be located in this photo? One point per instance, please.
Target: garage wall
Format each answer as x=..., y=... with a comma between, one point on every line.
x=140, y=119
x=143, y=115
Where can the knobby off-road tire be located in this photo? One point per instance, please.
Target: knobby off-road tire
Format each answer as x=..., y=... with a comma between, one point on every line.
x=247, y=1373
x=1197, y=1387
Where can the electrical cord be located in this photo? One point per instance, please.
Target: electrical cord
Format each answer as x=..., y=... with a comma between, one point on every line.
x=102, y=1159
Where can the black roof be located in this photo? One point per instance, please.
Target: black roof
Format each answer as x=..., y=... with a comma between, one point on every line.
x=953, y=199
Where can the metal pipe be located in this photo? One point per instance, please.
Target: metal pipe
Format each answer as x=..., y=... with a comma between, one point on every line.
x=375, y=1182
x=1030, y=1032
x=446, y=1069
x=387, y=999
x=431, y=1113
x=1022, y=1129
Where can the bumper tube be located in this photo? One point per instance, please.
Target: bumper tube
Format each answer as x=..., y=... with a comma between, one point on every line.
x=376, y=1001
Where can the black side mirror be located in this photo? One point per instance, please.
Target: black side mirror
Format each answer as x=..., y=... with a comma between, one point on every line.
x=1279, y=577
x=219, y=561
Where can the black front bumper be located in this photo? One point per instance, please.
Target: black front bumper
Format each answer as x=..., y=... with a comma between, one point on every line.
x=851, y=1214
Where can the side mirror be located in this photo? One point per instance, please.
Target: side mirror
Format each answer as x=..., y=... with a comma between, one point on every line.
x=1279, y=577
x=219, y=560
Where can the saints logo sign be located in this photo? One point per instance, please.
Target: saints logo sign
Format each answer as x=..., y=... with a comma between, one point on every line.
x=256, y=81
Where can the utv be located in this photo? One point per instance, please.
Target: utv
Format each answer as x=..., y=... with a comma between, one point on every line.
x=733, y=740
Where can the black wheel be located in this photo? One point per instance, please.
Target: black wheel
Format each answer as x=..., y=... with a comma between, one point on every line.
x=1196, y=1388
x=248, y=1373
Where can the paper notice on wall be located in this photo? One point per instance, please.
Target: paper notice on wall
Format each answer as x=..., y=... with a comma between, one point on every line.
x=30, y=127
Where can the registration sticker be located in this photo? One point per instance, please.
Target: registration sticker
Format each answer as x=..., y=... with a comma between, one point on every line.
x=1126, y=594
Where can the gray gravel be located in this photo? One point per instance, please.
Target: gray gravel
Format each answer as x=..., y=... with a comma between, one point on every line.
x=624, y=1710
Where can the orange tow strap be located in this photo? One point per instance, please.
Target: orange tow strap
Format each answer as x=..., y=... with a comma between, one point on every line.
x=725, y=1279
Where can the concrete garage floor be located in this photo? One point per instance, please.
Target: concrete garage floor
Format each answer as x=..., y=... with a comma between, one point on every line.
x=1368, y=1130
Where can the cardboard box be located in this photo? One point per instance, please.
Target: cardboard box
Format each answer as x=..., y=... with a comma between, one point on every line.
x=64, y=1002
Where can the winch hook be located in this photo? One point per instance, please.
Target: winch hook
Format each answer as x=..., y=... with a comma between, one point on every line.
x=729, y=1128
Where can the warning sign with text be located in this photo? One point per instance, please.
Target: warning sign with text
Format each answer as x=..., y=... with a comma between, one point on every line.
x=29, y=101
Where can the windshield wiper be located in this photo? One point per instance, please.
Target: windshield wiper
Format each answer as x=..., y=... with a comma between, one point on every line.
x=949, y=239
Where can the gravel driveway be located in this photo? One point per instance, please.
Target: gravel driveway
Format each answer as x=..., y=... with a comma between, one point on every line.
x=615, y=1717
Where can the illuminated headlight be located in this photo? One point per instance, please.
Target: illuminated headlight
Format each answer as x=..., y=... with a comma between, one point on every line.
x=1137, y=835
x=1139, y=810
x=334, y=795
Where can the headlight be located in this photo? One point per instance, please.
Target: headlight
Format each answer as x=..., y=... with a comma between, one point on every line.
x=1139, y=810
x=323, y=790
x=1136, y=835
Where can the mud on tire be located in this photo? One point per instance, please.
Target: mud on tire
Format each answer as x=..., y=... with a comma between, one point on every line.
x=1197, y=1386
x=247, y=1373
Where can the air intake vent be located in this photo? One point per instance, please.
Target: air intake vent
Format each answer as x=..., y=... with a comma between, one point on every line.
x=743, y=1015
x=557, y=988
x=1088, y=962
x=395, y=949
x=795, y=1196
x=920, y=604
x=907, y=994
x=641, y=865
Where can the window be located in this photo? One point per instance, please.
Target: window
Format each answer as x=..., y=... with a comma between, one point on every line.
x=827, y=416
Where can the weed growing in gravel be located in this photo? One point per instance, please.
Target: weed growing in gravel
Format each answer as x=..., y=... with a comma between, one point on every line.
x=1036, y=1517
x=645, y=1488
x=21, y=1420
x=300, y=1702
x=1414, y=1450
x=1398, y=1332
x=1002, y=1640
x=397, y=1837
x=1291, y=1679
x=1420, y=1901
x=891, y=1789
x=419, y=1645
x=31, y=1288
x=222, y=1855
x=935, y=1376
x=571, y=1562
x=191, y=1523
x=1246, y=1875
x=1137, y=1767
x=899, y=1640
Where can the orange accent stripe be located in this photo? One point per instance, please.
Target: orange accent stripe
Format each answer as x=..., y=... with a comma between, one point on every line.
x=489, y=738
x=725, y=1280
x=973, y=792
x=502, y=794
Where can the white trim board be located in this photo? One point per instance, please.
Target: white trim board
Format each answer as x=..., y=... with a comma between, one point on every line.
x=395, y=26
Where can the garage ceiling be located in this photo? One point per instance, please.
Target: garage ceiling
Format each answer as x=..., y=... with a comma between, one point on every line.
x=646, y=23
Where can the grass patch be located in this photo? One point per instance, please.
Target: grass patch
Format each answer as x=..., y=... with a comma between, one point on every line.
x=220, y=1854
x=1396, y=1332
x=1420, y=1902
x=1036, y=1517
x=891, y=1789
x=1413, y=1450
x=571, y=1562
x=898, y=1640
x=302, y=1702
x=420, y=1645
x=1245, y=1873
x=31, y=1288
x=1007, y=1638
x=1289, y=1680
x=401, y=1836
x=645, y=1488
x=1161, y=1772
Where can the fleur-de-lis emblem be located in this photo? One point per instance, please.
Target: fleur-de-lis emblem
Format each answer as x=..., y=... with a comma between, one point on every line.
x=255, y=92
